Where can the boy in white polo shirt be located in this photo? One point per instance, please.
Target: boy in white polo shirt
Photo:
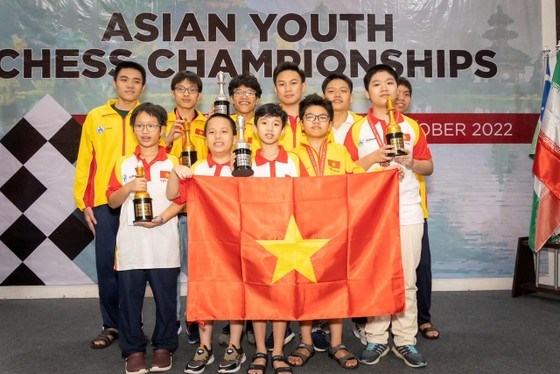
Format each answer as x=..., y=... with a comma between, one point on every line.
x=366, y=144
x=146, y=251
x=271, y=160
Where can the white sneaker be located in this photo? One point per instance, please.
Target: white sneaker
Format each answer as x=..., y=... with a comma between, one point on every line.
x=359, y=331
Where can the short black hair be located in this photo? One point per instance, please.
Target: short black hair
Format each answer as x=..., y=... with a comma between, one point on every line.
x=247, y=80
x=376, y=69
x=153, y=110
x=314, y=99
x=287, y=65
x=271, y=110
x=220, y=115
x=130, y=65
x=188, y=75
x=405, y=82
x=340, y=76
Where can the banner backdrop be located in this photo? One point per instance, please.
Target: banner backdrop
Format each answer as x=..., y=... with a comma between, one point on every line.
x=475, y=68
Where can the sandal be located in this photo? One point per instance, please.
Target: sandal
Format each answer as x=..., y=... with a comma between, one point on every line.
x=342, y=361
x=104, y=339
x=281, y=369
x=260, y=367
x=302, y=356
x=426, y=330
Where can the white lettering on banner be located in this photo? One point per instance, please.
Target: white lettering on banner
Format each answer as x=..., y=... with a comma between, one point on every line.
x=507, y=128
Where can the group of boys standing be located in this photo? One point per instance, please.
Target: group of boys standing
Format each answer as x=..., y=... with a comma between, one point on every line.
x=301, y=136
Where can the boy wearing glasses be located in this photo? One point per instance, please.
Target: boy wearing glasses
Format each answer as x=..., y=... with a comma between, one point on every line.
x=146, y=251
x=319, y=156
x=186, y=90
x=106, y=135
x=245, y=92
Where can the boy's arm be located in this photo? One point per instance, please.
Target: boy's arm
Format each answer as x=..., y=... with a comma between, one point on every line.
x=376, y=157
x=366, y=162
x=171, y=211
x=83, y=165
x=116, y=195
x=423, y=167
x=178, y=173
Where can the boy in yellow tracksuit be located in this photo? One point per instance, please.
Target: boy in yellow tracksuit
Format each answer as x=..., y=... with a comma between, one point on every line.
x=106, y=135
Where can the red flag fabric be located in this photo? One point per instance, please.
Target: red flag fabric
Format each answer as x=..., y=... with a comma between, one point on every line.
x=294, y=248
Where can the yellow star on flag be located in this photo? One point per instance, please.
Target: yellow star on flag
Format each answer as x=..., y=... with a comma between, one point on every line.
x=293, y=252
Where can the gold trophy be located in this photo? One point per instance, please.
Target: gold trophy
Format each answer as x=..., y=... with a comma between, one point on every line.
x=188, y=155
x=242, y=151
x=394, y=133
x=221, y=104
x=142, y=201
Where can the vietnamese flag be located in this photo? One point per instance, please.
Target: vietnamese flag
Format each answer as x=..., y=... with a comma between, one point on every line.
x=294, y=248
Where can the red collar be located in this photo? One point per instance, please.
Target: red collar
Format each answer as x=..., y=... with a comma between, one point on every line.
x=282, y=157
x=161, y=156
x=373, y=119
x=213, y=163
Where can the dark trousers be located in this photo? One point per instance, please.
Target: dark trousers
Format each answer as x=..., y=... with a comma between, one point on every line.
x=105, y=241
x=424, y=280
x=132, y=285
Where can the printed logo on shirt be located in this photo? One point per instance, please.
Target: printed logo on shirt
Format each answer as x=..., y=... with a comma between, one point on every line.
x=128, y=178
x=100, y=130
x=406, y=137
x=164, y=175
x=199, y=132
x=363, y=142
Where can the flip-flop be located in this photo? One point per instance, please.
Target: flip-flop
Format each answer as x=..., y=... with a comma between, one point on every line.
x=104, y=339
x=426, y=330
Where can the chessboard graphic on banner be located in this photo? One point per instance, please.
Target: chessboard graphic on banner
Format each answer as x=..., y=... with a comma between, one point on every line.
x=43, y=239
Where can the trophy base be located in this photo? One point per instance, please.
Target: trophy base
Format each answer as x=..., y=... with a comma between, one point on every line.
x=243, y=172
x=143, y=209
x=143, y=220
x=397, y=153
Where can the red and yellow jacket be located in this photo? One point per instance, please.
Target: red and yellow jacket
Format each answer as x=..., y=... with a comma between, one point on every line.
x=106, y=136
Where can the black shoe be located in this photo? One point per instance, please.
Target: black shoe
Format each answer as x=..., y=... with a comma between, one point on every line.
x=320, y=342
x=193, y=336
x=288, y=337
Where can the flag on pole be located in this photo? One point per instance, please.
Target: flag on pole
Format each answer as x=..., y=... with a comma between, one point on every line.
x=546, y=90
x=294, y=248
x=545, y=217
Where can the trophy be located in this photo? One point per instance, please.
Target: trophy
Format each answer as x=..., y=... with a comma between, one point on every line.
x=221, y=104
x=394, y=133
x=142, y=201
x=242, y=161
x=188, y=154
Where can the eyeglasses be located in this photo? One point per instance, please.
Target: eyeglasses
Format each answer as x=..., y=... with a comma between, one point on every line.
x=182, y=89
x=318, y=117
x=248, y=93
x=150, y=127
